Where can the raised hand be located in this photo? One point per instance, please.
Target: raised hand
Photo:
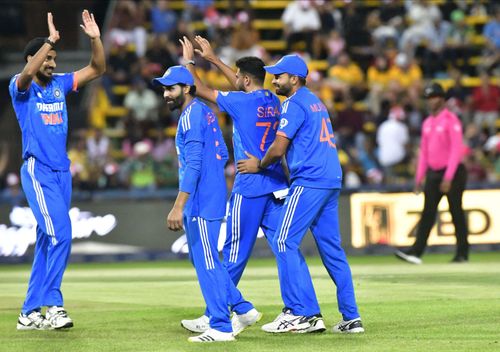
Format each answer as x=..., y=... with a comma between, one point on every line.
x=53, y=32
x=206, y=51
x=187, y=49
x=89, y=25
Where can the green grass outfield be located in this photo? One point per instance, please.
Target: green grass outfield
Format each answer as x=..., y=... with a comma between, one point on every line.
x=437, y=306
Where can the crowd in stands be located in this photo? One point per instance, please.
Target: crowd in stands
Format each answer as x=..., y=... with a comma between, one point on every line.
x=368, y=64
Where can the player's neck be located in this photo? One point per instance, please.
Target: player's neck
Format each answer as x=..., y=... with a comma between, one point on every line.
x=294, y=90
x=189, y=99
x=41, y=82
x=253, y=88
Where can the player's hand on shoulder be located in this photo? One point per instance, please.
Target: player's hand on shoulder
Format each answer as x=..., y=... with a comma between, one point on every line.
x=89, y=25
x=53, y=32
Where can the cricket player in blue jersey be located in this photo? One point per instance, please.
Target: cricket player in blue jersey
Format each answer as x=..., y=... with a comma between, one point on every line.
x=305, y=135
x=201, y=201
x=39, y=100
x=256, y=199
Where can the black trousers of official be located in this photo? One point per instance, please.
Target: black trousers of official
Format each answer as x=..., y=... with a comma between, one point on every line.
x=432, y=197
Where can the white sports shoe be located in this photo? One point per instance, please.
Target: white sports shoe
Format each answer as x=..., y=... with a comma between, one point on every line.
x=212, y=335
x=242, y=321
x=353, y=326
x=286, y=322
x=408, y=257
x=317, y=325
x=200, y=324
x=58, y=318
x=33, y=321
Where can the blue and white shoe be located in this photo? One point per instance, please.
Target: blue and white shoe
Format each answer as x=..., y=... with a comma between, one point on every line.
x=353, y=326
x=58, y=318
x=33, y=321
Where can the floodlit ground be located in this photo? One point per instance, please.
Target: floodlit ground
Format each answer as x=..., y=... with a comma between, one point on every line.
x=437, y=306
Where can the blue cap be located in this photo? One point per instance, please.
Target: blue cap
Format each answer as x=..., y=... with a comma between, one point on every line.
x=291, y=64
x=175, y=75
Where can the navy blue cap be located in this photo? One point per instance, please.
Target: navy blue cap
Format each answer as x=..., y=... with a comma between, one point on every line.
x=175, y=75
x=434, y=89
x=291, y=64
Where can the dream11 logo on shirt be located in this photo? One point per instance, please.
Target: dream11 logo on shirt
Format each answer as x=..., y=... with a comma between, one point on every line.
x=15, y=240
x=51, y=113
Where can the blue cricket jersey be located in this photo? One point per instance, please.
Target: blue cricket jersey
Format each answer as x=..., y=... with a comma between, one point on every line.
x=255, y=118
x=43, y=118
x=198, y=133
x=312, y=156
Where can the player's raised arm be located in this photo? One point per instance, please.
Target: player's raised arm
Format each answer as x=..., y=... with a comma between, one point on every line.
x=207, y=53
x=35, y=62
x=202, y=89
x=97, y=65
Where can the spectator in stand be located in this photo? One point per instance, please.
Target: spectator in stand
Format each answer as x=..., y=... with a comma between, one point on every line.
x=138, y=173
x=378, y=79
x=384, y=35
x=432, y=50
x=367, y=158
x=13, y=192
x=458, y=96
x=80, y=166
x=244, y=41
x=159, y=56
x=97, y=152
x=392, y=139
x=492, y=33
x=142, y=104
x=127, y=23
x=348, y=124
x=485, y=100
x=458, y=41
x=163, y=19
x=346, y=77
x=421, y=15
x=301, y=22
x=122, y=65
x=335, y=45
x=355, y=31
x=408, y=76
x=196, y=10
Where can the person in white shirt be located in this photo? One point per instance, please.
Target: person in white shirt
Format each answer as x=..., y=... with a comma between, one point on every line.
x=392, y=138
x=301, y=20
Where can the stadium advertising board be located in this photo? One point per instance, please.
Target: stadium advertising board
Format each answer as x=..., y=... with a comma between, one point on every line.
x=392, y=218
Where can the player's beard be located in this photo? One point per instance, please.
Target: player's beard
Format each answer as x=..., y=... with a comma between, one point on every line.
x=43, y=76
x=284, y=89
x=177, y=102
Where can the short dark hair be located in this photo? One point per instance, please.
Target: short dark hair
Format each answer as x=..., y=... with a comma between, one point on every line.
x=252, y=66
x=302, y=80
x=192, y=89
x=32, y=47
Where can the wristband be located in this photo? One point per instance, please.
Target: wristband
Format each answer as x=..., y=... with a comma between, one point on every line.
x=50, y=42
x=190, y=62
x=260, y=166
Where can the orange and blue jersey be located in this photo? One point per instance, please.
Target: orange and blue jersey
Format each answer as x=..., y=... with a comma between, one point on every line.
x=312, y=156
x=43, y=118
x=255, y=118
x=202, y=156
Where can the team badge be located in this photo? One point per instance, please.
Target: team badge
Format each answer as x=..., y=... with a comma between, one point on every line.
x=57, y=93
